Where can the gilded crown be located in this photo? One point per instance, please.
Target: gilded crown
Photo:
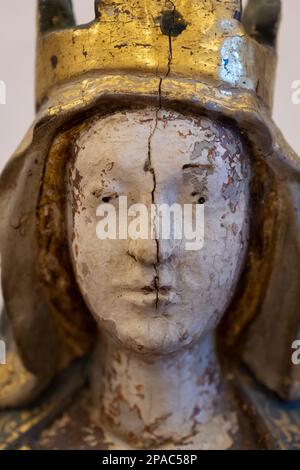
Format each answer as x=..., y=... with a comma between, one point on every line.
x=200, y=40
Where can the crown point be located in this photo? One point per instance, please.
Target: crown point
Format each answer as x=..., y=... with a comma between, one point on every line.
x=55, y=15
x=261, y=20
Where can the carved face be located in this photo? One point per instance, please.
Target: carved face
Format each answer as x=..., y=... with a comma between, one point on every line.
x=155, y=295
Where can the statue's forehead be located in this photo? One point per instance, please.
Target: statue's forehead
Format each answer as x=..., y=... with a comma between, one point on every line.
x=164, y=119
x=132, y=134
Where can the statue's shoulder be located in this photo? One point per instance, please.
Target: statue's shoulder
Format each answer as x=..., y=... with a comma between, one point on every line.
x=22, y=427
x=275, y=421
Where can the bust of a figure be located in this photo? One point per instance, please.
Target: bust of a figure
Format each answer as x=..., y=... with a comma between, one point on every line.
x=156, y=106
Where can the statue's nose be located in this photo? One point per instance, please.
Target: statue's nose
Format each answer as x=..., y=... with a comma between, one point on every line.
x=158, y=245
x=152, y=251
x=144, y=251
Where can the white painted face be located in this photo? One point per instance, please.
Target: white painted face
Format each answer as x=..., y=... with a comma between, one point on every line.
x=155, y=296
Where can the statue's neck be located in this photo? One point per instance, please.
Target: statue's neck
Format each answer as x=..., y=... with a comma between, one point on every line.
x=147, y=400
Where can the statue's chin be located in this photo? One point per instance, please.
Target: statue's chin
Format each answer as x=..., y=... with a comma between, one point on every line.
x=152, y=336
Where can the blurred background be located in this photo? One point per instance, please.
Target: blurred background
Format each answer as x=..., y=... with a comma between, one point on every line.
x=17, y=48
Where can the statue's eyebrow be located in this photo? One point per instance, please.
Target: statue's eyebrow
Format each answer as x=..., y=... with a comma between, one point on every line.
x=199, y=166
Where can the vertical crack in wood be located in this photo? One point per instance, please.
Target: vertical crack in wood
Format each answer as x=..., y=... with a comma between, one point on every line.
x=149, y=163
x=151, y=169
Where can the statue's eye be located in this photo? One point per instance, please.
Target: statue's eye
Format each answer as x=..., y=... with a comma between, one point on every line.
x=201, y=199
x=98, y=193
x=107, y=198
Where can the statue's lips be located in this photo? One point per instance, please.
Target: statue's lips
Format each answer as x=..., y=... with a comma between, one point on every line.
x=149, y=295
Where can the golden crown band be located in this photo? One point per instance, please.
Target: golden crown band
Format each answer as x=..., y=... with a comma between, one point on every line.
x=200, y=40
